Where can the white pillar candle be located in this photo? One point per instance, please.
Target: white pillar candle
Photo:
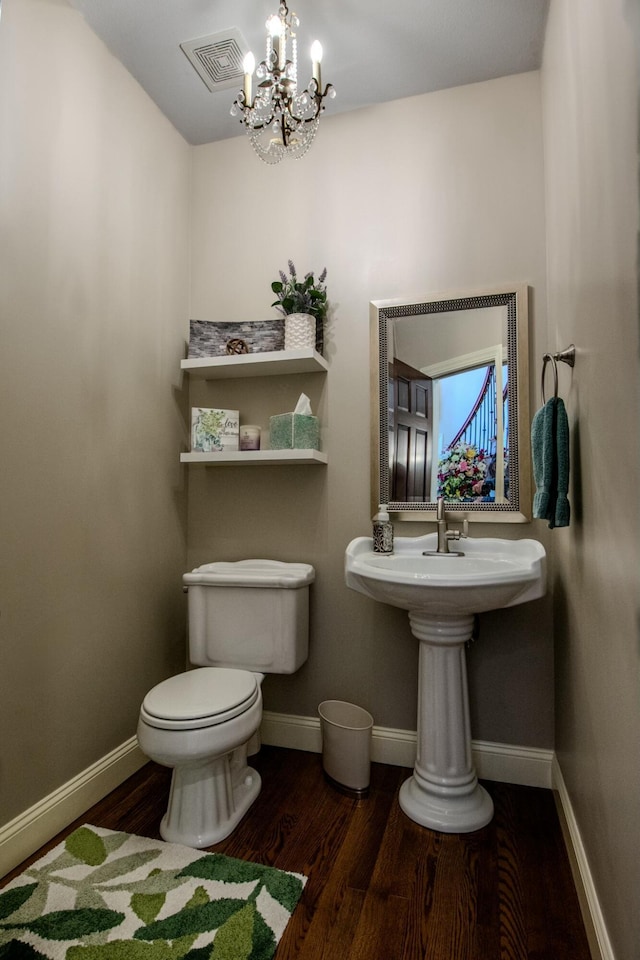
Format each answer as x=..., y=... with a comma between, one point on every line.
x=316, y=58
x=274, y=27
x=248, y=65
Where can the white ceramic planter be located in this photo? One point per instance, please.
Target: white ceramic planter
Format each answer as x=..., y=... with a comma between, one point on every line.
x=299, y=331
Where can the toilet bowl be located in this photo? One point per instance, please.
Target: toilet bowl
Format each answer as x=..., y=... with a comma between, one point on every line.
x=204, y=723
x=200, y=723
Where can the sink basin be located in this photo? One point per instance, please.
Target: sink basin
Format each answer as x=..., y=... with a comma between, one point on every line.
x=490, y=574
x=442, y=594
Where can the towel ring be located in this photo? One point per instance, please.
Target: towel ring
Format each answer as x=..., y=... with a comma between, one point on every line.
x=564, y=356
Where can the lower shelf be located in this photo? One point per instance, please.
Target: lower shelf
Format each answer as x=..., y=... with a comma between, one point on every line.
x=255, y=457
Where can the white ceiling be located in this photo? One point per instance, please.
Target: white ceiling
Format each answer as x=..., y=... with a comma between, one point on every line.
x=374, y=50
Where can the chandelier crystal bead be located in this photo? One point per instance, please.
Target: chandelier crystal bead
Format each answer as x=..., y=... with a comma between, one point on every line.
x=280, y=121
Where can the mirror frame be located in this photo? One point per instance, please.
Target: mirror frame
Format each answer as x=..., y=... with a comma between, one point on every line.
x=515, y=298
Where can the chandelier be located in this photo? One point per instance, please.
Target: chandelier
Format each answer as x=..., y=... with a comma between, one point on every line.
x=281, y=121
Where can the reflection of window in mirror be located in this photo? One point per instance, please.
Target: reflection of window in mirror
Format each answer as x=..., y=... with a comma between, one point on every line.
x=471, y=428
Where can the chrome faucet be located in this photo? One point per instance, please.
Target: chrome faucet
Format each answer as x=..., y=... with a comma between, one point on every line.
x=444, y=535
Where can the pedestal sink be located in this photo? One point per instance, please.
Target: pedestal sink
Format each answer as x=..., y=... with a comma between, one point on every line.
x=442, y=594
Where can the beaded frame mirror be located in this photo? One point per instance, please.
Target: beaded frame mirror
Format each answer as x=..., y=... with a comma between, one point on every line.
x=442, y=335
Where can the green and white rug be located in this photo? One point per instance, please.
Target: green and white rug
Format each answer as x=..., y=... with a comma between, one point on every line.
x=102, y=895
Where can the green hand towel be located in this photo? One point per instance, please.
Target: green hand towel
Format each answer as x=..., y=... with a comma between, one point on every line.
x=550, y=456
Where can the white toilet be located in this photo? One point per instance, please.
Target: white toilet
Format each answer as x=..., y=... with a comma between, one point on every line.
x=246, y=619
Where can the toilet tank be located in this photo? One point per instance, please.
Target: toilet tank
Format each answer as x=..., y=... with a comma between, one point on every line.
x=250, y=614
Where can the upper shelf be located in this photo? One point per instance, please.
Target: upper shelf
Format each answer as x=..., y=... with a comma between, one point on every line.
x=271, y=363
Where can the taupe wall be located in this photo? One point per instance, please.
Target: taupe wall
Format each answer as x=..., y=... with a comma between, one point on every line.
x=94, y=200
x=435, y=193
x=590, y=87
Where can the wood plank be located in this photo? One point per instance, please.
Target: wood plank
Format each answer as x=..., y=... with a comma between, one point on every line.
x=380, y=887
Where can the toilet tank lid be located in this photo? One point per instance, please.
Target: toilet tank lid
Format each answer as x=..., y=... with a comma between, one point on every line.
x=252, y=573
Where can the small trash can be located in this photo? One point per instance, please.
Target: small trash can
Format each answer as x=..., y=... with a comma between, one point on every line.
x=346, y=745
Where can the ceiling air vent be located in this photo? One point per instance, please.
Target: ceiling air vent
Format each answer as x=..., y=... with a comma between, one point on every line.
x=218, y=59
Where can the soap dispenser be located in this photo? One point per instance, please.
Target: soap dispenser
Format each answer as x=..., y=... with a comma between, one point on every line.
x=382, y=531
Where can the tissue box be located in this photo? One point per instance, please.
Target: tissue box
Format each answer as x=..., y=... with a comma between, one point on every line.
x=214, y=430
x=294, y=431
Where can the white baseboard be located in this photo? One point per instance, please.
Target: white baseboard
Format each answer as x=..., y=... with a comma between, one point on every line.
x=494, y=761
x=37, y=825
x=596, y=929
x=505, y=763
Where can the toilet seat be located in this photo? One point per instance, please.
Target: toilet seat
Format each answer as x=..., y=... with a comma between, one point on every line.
x=200, y=698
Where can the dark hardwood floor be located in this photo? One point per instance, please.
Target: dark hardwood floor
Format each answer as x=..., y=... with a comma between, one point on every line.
x=380, y=887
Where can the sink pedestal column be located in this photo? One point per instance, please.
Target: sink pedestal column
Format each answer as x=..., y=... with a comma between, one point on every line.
x=444, y=792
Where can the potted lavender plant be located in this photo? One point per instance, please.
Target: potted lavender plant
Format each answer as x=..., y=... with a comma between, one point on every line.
x=303, y=304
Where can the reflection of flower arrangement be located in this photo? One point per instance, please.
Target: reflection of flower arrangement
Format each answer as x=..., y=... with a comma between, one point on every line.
x=459, y=470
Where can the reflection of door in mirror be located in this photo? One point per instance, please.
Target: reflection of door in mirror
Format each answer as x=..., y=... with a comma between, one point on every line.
x=410, y=432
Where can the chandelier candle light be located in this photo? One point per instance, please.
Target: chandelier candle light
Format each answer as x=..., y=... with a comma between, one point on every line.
x=280, y=120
